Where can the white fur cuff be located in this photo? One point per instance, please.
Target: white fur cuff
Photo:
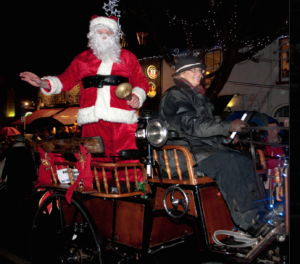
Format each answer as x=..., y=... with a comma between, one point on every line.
x=140, y=93
x=56, y=85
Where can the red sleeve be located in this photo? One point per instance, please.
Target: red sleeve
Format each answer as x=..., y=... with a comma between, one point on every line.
x=138, y=79
x=71, y=76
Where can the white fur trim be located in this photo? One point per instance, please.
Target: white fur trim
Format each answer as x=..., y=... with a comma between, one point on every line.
x=102, y=109
x=86, y=115
x=109, y=22
x=140, y=93
x=56, y=85
x=105, y=68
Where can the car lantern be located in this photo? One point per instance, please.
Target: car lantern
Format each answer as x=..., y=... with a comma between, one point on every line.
x=151, y=130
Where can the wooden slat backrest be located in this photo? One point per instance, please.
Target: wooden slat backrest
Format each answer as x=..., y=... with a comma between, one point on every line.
x=135, y=177
x=127, y=179
x=188, y=158
x=53, y=175
x=116, y=166
x=105, y=180
x=156, y=159
x=262, y=158
x=177, y=164
x=167, y=164
x=117, y=180
x=102, y=167
x=70, y=175
x=60, y=166
x=97, y=180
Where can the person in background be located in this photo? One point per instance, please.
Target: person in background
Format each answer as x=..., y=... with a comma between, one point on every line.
x=40, y=135
x=272, y=154
x=61, y=134
x=71, y=133
x=46, y=134
x=10, y=141
x=52, y=135
x=19, y=169
x=3, y=139
x=35, y=137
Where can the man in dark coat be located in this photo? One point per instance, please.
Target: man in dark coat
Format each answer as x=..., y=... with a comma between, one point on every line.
x=185, y=109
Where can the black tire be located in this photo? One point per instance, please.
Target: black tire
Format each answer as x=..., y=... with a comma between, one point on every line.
x=66, y=235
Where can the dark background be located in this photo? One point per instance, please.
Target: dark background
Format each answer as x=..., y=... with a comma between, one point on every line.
x=294, y=133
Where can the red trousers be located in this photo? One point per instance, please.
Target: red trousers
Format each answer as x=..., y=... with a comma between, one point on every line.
x=116, y=137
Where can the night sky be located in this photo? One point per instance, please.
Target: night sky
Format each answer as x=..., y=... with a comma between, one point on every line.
x=42, y=38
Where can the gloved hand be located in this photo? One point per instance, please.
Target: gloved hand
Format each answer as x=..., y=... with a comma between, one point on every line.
x=237, y=125
x=235, y=139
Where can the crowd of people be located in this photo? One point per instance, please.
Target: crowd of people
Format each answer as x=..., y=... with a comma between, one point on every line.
x=62, y=132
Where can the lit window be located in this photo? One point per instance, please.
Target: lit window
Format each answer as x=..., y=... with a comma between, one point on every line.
x=284, y=69
x=213, y=62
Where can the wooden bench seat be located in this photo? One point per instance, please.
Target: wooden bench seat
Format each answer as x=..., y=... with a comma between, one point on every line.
x=106, y=183
x=193, y=178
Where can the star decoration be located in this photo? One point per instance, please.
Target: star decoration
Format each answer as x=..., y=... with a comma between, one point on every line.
x=110, y=8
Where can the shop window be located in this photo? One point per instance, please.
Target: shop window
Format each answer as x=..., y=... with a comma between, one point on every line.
x=284, y=68
x=213, y=62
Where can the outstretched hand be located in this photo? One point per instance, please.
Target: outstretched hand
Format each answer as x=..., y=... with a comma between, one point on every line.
x=31, y=78
x=134, y=102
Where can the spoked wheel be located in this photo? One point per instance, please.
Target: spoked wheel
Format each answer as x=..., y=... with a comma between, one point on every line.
x=64, y=233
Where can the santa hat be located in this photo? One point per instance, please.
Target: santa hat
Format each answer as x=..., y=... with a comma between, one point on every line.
x=110, y=22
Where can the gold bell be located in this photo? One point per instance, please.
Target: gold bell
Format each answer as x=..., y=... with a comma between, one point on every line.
x=124, y=91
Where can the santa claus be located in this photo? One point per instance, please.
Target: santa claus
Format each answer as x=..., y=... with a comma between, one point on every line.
x=100, y=70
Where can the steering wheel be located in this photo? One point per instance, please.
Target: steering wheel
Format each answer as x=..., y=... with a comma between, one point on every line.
x=175, y=202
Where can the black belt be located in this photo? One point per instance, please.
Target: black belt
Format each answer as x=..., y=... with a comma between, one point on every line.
x=99, y=81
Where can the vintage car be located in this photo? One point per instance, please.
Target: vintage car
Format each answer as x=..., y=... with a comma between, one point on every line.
x=134, y=218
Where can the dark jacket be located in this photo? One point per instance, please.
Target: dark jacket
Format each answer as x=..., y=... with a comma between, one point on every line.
x=189, y=113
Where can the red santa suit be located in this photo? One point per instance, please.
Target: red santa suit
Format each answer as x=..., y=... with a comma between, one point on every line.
x=101, y=113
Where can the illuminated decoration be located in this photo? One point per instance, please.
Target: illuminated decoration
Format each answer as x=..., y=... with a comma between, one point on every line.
x=110, y=10
x=151, y=72
x=152, y=89
x=211, y=21
x=142, y=37
x=230, y=104
x=10, y=103
x=124, y=43
x=28, y=113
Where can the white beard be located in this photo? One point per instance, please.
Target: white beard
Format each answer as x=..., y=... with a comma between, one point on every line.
x=105, y=49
